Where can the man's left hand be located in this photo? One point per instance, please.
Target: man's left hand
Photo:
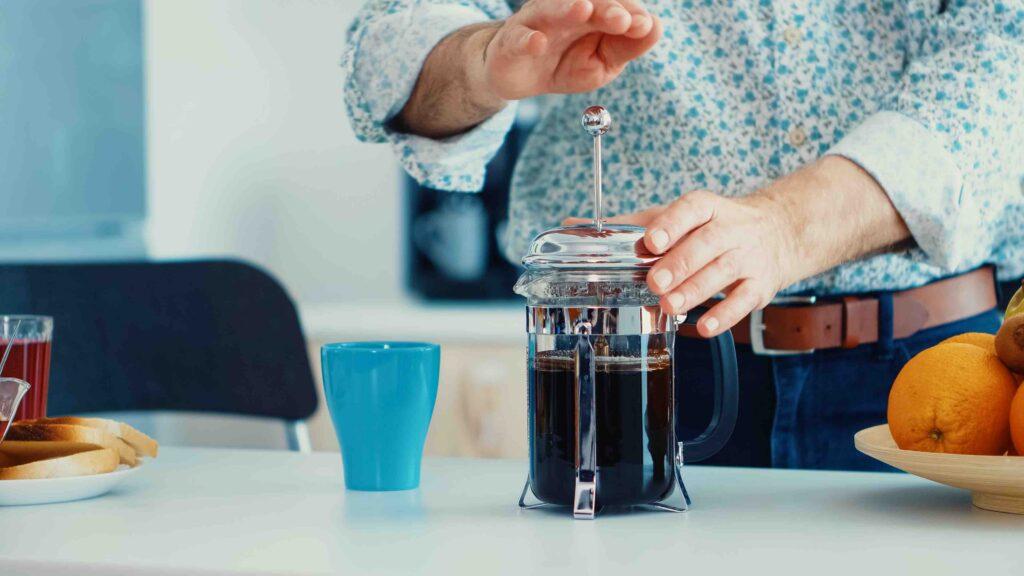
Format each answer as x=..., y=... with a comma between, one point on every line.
x=710, y=245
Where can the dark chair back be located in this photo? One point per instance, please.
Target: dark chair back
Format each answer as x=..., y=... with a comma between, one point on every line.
x=206, y=336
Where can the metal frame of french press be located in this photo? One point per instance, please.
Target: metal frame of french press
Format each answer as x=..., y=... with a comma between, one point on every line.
x=586, y=323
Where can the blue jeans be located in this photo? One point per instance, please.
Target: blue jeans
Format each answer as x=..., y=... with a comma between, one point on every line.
x=802, y=411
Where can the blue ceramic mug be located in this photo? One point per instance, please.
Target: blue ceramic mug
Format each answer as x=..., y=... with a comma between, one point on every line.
x=381, y=397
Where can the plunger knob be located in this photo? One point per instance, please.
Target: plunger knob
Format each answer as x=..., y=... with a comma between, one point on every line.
x=596, y=120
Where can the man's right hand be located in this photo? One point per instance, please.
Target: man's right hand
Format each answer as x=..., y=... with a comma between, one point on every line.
x=547, y=47
x=566, y=46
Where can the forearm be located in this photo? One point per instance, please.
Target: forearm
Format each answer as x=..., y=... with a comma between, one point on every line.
x=450, y=95
x=752, y=247
x=831, y=212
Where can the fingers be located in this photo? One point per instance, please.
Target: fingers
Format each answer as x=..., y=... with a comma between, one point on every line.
x=579, y=11
x=640, y=26
x=706, y=283
x=619, y=30
x=611, y=17
x=573, y=221
x=680, y=218
x=521, y=40
x=692, y=254
x=556, y=13
x=617, y=51
x=642, y=22
x=742, y=300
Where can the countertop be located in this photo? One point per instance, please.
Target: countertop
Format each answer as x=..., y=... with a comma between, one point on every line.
x=204, y=511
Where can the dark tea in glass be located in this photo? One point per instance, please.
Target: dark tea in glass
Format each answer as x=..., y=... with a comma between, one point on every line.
x=28, y=360
x=634, y=427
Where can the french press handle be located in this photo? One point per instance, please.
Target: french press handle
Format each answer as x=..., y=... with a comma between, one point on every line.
x=727, y=394
x=584, y=502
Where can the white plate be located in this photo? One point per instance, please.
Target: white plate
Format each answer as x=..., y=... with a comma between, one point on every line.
x=52, y=490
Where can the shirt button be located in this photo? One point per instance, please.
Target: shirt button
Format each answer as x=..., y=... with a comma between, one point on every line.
x=797, y=136
x=792, y=36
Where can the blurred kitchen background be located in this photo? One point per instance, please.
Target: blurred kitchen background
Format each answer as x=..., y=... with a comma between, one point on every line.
x=180, y=129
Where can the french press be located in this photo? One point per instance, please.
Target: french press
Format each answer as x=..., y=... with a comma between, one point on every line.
x=601, y=393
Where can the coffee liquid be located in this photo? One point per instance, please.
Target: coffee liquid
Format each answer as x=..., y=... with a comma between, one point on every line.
x=634, y=459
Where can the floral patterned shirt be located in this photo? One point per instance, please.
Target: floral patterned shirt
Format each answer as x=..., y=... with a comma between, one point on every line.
x=926, y=95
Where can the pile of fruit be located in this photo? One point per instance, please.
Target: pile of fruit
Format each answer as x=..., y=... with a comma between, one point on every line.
x=963, y=396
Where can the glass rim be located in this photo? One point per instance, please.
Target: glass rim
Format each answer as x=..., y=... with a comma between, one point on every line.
x=29, y=322
x=380, y=347
x=24, y=317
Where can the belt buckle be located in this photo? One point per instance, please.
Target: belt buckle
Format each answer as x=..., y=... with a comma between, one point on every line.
x=757, y=327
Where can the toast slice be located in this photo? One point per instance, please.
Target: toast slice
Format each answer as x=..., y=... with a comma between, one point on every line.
x=13, y=452
x=72, y=437
x=94, y=461
x=141, y=443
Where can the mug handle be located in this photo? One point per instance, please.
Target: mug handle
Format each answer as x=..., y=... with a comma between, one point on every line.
x=727, y=391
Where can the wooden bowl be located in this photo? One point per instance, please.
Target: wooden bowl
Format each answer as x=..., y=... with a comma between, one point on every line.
x=996, y=482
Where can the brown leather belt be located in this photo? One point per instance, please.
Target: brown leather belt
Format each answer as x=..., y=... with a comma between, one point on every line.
x=803, y=324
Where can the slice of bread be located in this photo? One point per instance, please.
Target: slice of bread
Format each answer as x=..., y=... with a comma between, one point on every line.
x=141, y=443
x=14, y=452
x=72, y=436
x=95, y=461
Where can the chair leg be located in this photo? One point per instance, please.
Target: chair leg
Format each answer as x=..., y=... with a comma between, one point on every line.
x=297, y=435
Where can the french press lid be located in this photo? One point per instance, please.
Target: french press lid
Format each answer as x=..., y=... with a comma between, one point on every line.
x=595, y=245
x=593, y=265
x=585, y=246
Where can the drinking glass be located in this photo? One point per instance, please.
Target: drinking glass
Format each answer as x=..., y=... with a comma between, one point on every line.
x=29, y=359
x=381, y=397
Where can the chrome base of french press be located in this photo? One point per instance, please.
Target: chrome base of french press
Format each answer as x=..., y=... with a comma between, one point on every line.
x=678, y=500
x=585, y=495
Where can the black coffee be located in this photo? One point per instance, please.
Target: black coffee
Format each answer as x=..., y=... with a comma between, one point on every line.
x=633, y=428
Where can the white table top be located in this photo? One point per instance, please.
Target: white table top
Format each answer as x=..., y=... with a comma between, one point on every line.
x=203, y=511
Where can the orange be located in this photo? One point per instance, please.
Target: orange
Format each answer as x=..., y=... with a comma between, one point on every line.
x=1017, y=422
x=981, y=339
x=952, y=398
x=986, y=341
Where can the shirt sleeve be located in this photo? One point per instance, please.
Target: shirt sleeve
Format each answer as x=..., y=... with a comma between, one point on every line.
x=387, y=45
x=947, y=146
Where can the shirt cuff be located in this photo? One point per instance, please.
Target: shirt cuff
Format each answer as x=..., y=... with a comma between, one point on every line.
x=383, y=64
x=388, y=54
x=920, y=176
x=459, y=163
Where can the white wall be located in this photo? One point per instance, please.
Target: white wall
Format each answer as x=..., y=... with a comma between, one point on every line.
x=250, y=151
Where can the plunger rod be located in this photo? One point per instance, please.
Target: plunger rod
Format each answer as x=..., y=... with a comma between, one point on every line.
x=597, y=121
x=598, y=220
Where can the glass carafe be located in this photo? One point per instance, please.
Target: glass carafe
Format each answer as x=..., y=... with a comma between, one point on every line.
x=601, y=401
x=601, y=393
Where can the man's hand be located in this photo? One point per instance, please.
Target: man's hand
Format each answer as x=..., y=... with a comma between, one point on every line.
x=566, y=46
x=548, y=46
x=750, y=248
x=712, y=244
